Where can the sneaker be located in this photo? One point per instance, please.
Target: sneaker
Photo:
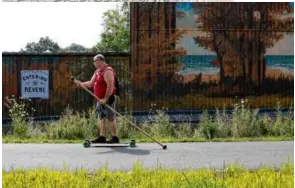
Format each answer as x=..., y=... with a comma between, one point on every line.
x=113, y=140
x=100, y=139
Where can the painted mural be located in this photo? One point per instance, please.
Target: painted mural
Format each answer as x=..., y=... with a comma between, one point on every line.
x=218, y=53
x=202, y=59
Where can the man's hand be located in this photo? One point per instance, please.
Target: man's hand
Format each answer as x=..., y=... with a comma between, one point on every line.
x=103, y=101
x=78, y=83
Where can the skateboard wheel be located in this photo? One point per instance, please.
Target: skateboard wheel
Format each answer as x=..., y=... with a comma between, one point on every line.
x=86, y=144
x=133, y=143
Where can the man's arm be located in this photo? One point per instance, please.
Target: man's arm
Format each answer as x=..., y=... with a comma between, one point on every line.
x=90, y=82
x=109, y=79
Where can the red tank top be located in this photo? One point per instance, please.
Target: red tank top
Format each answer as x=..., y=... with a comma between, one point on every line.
x=100, y=86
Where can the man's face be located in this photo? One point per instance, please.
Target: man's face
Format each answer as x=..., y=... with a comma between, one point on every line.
x=96, y=63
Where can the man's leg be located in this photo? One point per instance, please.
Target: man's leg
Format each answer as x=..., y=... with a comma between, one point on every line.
x=101, y=132
x=113, y=126
x=115, y=138
x=111, y=116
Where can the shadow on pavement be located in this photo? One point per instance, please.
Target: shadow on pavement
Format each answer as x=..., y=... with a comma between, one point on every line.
x=131, y=151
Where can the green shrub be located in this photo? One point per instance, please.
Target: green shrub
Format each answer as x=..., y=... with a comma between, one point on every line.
x=208, y=127
x=74, y=126
x=162, y=127
x=18, y=111
x=223, y=122
x=126, y=130
x=243, y=122
x=282, y=126
x=184, y=130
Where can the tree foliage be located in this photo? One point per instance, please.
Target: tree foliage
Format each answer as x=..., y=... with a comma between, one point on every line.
x=157, y=50
x=240, y=33
x=75, y=48
x=115, y=37
x=45, y=44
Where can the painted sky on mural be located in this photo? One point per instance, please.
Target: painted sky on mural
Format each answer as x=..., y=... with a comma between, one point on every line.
x=64, y=23
x=283, y=47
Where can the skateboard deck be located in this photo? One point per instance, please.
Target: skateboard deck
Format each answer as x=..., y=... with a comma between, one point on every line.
x=87, y=143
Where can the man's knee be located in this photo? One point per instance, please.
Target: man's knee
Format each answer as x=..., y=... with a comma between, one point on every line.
x=103, y=121
x=111, y=118
x=110, y=115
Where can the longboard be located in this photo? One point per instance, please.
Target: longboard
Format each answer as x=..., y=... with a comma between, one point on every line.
x=87, y=143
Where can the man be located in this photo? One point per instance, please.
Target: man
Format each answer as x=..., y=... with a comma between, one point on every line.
x=103, y=83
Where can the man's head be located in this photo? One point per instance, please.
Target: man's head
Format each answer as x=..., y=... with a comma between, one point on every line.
x=99, y=61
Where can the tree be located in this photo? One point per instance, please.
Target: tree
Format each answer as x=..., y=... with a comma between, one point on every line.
x=75, y=48
x=154, y=45
x=241, y=32
x=115, y=37
x=44, y=45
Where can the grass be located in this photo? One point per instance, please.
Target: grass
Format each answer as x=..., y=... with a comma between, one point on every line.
x=231, y=176
x=11, y=139
x=243, y=124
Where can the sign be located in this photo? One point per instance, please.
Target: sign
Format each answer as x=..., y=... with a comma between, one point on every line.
x=35, y=84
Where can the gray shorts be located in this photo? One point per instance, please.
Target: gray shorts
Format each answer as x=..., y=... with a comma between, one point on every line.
x=104, y=112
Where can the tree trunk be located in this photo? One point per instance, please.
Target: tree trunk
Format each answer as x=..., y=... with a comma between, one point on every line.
x=220, y=59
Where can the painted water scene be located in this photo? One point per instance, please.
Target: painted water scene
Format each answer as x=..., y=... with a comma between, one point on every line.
x=221, y=52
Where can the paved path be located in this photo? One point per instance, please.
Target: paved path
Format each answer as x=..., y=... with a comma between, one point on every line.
x=178, y=155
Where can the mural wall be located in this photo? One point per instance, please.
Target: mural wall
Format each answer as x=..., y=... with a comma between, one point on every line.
x=217, y=53
x=184, y=56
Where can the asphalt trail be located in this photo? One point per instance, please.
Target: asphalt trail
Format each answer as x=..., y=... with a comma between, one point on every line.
x=179, y=156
